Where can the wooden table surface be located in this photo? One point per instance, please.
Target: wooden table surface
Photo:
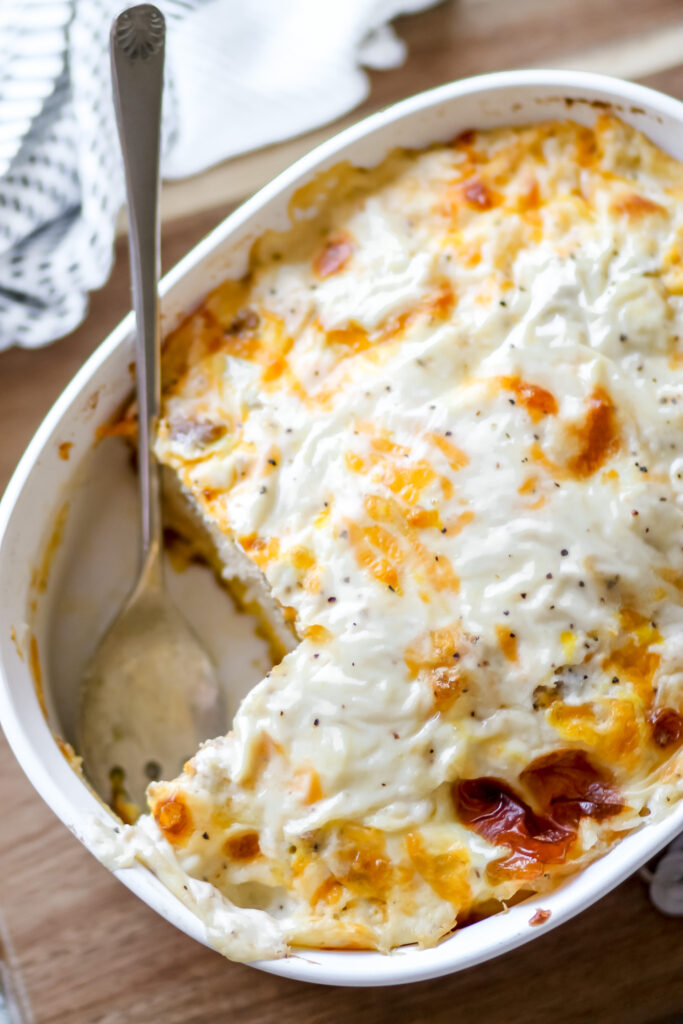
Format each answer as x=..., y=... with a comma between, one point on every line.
x=82, y=949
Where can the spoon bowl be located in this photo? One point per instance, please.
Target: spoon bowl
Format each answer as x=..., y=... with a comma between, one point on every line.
x=150, y=697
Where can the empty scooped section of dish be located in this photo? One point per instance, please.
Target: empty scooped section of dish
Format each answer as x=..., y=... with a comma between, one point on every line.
x=92, y=571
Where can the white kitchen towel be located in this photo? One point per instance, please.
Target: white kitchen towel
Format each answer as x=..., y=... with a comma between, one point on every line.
x=240, y=74
x=665, y=880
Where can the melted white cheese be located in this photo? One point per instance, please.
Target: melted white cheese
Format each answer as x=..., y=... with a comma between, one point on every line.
x=574, y=299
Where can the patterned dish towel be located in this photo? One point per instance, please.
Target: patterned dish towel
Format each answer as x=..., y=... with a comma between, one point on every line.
x=239, y=75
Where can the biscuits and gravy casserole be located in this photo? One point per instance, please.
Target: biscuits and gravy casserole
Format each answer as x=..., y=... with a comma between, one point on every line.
x=435, y=434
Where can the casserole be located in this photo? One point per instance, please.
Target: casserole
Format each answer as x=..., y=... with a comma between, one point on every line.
x=504, y=99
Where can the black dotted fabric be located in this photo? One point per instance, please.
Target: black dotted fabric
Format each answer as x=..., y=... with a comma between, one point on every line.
x=61, y=179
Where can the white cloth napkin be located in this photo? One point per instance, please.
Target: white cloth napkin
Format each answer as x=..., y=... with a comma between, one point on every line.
x=240, y=74
x=665, y=880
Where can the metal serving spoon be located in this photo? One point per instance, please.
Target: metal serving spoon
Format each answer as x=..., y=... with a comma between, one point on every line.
x=149, y=692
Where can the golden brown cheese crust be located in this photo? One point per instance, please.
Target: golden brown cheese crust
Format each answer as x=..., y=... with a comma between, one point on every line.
x=440, y=416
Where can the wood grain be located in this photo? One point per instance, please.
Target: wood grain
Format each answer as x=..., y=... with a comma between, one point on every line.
x=87, y=952
x=630, y=38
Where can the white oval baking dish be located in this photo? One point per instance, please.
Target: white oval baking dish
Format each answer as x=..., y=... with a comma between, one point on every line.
x=91, y=566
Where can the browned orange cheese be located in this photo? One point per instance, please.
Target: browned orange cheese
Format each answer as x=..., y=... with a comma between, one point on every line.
x=479, y=195
x=636, y=206
x=437, y=658
x=174, y=819
x=508, y=642
x=597, y=438
x=445, y=870
x=334, y=256
x=243, y=847
x=592, y=441
x=537, y=401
